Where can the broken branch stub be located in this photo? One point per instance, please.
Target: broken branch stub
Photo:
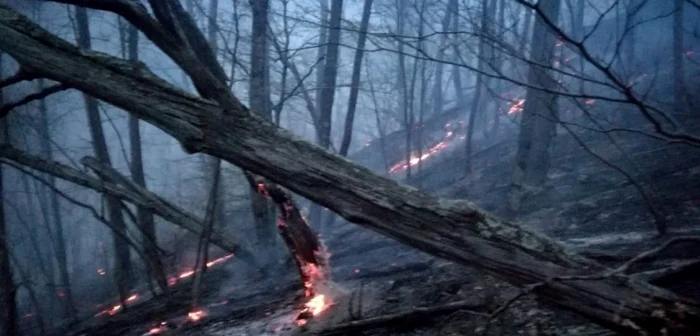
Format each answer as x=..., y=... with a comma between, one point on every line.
x=455, y=230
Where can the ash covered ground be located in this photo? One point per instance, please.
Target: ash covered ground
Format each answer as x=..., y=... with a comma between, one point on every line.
x=587, y=204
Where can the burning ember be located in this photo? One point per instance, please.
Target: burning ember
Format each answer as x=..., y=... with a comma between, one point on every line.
x=163, y=326
x=186, y=274
x=516, y=106
x=114, y=310
x=196, y=315
x=132, y=298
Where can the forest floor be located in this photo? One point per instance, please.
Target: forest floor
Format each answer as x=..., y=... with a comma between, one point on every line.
x=585, y=204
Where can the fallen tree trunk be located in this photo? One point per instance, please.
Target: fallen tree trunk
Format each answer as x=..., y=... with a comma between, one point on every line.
x=126, y=190
x=455, y=230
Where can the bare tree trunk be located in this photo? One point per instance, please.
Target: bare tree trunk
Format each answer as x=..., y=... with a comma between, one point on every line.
x=488, y=8
x=321, y=60
x=202, y=255
x=538, y=123
x=144, y=216
x=259, y=93
x=456, y=69
x=452, y=229
x=212, y=162
x=327, y=95
x=8, y=292
x=355, y=81
x=59, y=240
x=122, y=258
x=438, y=99
x=404, y=97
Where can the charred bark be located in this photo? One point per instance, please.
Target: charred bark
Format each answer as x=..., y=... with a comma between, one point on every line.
x=452, y=229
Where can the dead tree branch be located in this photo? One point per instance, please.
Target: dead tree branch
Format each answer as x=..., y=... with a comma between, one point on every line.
x=456, y=230
x=6, y=108
x=159, y=206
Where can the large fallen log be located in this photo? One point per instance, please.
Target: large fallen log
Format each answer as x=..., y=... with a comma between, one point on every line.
x=455, y=230
x=129, y=192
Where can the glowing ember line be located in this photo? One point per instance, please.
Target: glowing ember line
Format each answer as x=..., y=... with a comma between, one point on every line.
x=186, y=274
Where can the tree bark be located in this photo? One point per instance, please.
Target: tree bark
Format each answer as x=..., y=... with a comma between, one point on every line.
x=8, y=292
x=451, y=229
x=487, y=11
x=538, y=122
x=263, y=213
x=122, y=255
x=326, y=94
x=438, y=99
x=355, y=81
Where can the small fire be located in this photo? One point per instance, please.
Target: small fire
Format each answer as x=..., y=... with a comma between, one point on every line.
x=101, y=271
x=132, y=298
x=516, y=106
x=186, y=274
x=114, y=310
x=590, y=101
x=560, y=42
x=163, y=326
x=196, y=315
x=219, y=260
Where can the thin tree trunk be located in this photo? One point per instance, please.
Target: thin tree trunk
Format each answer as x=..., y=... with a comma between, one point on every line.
x=404, y=97
x=203, y=245
x=321, y=60
x=8, y=292
x=438, y=99
x=327, y=95
x=355, y=81
x=483, y=54
x=263, y=213
x=214, y=162
x=59, y=240
x=456, y=69
x=122, y=254
x=144, y=217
